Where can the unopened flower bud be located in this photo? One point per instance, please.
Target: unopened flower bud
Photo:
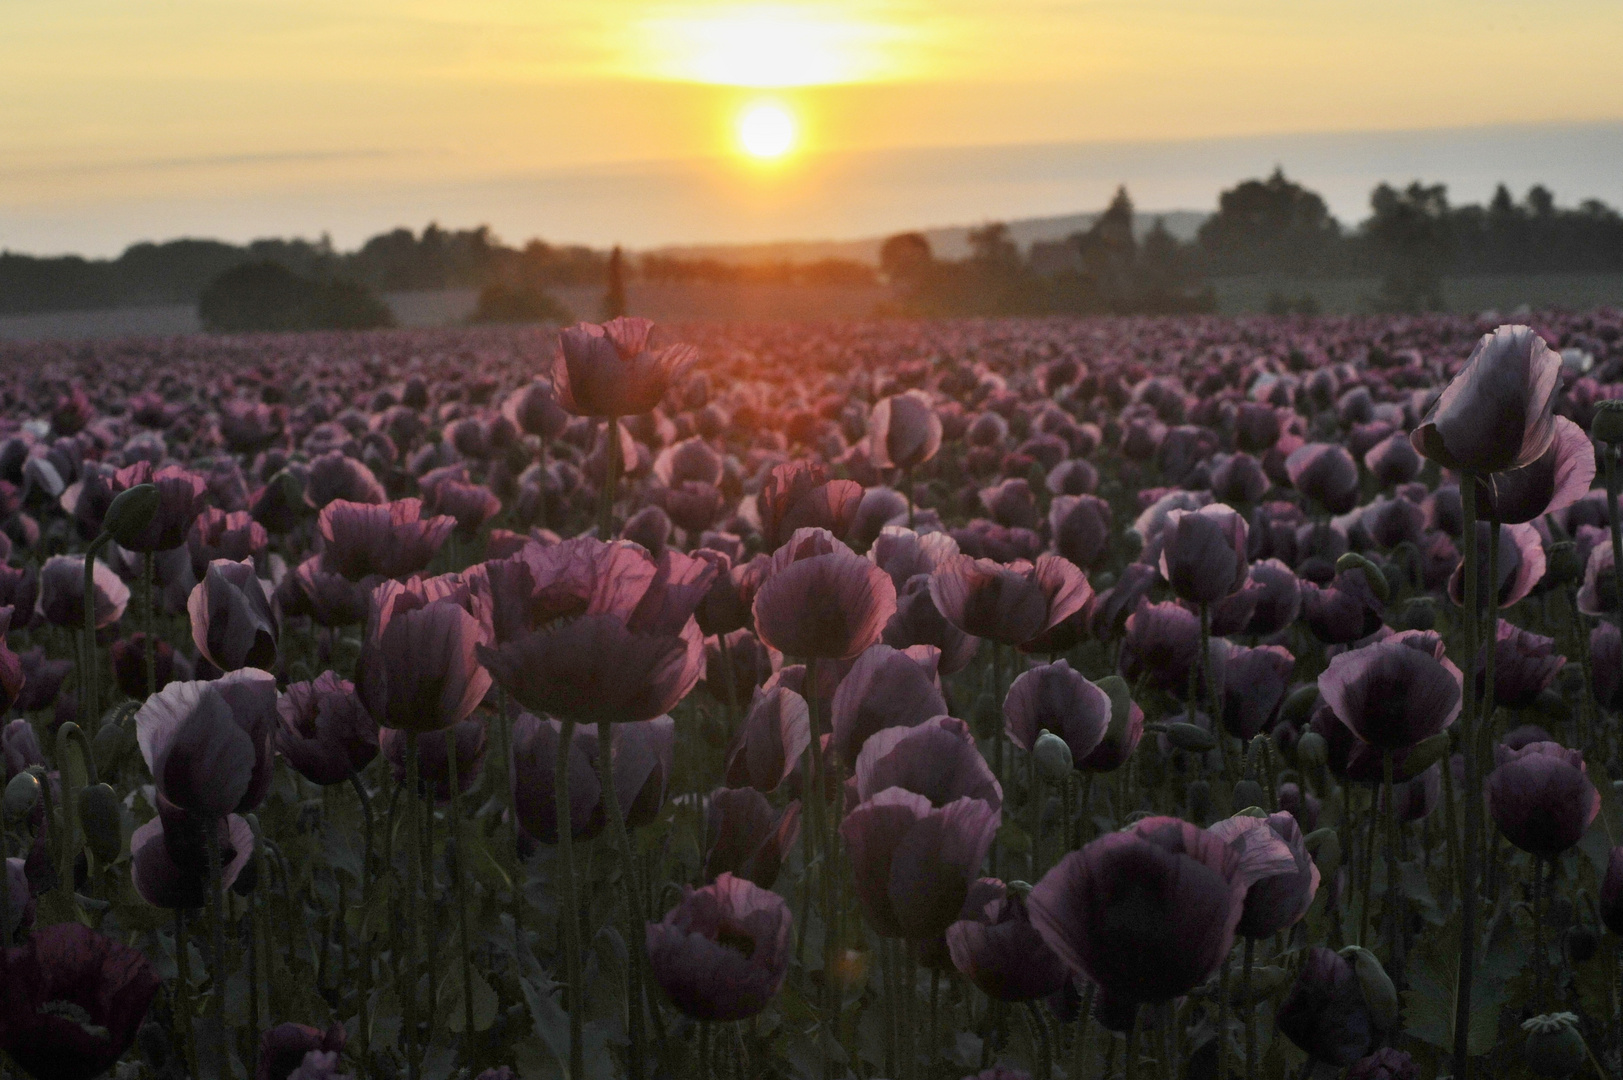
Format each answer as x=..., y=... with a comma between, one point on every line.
x=1053, y=757
x=131, y=512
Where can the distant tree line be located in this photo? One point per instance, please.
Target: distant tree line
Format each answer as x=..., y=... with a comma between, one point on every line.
x=1412, y=240
x=178, y=271
x=670, y=268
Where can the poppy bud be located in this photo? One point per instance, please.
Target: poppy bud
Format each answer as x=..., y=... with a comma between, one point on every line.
x=1248, y=793
x=1420, y=613
x=1053, y=757
x=1372, y=573
x=21, y=795
x=1190, y=737
x=1299, y=703
x=1199, y=793
x=101, y=821
x=1562, y=564
x=1582, y=943
x=1426, y=753
x=1325, y=847
x=1607, y=426
x=1380, y=996
x=132, y=510
x=1312, y=750
x=109, y=746
x=1554, y=1047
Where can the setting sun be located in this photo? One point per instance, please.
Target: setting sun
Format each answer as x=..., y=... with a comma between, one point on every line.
x=766, y=131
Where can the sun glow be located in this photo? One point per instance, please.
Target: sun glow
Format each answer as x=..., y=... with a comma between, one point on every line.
x=771, y=45
x=767, y=131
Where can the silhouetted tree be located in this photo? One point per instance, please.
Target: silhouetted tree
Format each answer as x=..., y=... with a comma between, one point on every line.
x=268, y=296
x=905, y=257
x=1270, y=226
x=614, y=299
x=1409, y=235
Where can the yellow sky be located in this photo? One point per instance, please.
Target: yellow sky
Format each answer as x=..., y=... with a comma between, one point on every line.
x=104, y=99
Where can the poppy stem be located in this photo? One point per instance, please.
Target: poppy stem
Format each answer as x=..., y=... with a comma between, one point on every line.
x=461, y=887
x=1450, y=825
x=1131, y=1062
x=1045, y=1041
x=907, y=492
x=569, y=902
x=148, y=586
x=1608, y=457
x=1368, y=866
x=1392, y=908
x=366, y=917
x=215, y=1067
x=1590, y=727
x=636, y=935
x=1472, y=796
x=413, y=887
x=1222, y=1024
x=611, y=479
x=1250, y=1011
x=1084, y=1017
x=183, y=992
x=92, y=670
x=728, y=673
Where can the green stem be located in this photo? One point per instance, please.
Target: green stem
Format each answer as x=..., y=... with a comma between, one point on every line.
x=148, y=606
x=569, y=902
x=1392, y=908
x=89, y=684
x=366, y=919
x=216, y=1066
x=611, y=478
x=1472, y=796
x=413, y=888
x=1250, y=1011
x=635, y=933
x=458, y=871
x=183, y=992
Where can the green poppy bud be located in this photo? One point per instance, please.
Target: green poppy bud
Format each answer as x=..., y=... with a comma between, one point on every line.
x=1607, y=426
x=132, y=510
x=1190, y=737
x=1312, y=750
x=21, y=795
x=102, y=822
x=1380, y=996
x=1053, y=756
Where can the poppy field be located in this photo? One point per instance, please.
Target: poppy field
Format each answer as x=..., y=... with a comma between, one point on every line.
x=1041, y=698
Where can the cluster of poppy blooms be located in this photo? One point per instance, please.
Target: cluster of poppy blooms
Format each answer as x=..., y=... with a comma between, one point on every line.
x=403, y=638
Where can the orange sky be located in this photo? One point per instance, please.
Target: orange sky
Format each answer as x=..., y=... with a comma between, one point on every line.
x=106, y=102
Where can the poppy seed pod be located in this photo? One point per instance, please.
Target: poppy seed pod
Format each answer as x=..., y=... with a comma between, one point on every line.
x=1053, y=757
x=722, y=953
x=1554, y=1046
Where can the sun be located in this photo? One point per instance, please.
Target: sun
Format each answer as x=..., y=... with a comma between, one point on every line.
x=766, y=131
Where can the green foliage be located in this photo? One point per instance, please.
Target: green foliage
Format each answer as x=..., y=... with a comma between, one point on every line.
x=268, y=296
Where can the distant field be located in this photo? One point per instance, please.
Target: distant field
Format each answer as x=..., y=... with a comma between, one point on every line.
x=695, y=302
x=1502, y=292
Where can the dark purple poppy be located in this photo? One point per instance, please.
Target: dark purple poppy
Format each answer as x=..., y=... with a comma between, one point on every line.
x=283, y=1048
x=62, y=590
x=1203, y=553
x=831, y=605
x=1009, y=604
x=130, y=664
x=1324, y=1013
x=1149, y=913
x=798, y=495
x=180, y=500
x=391, y=540
x=723, y=952
x=1344, y=611
x=21, y=748
x=1326, y=474
x=1280, y=601
x=208, y=744
x=1524, y=666
x=643, y=755
x=335, y=475
x=747, y=838
x=216, y=534
x=1560, y=477
x=903, y=431
x=73, y=1001
x=919, y=622
x=1113, y=607
x=937, y=759
x=233, y=623
x=1056, y=698
x=885, y=688
x=775, y=732
x=1522, y=563
x=1081, y=528
x=169, y=864
x=433, y=756
x=42, y=679
x=326, y=734
x=1277, y=902
x=1541, y=798
x=610, y=370
x=1496, y=413
x=1254, y=685
x=913, y=862
x=331, y=599
x=1002, y=953
x=1394, y=693
x=418, y=670
x=1162, y=643
x=1239, y=478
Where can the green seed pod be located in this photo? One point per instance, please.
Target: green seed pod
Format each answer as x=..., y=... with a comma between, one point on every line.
x=1312, y=750
x=1563, y=565
x=102, y=822
x=1325, y=847
x=21, y=796
x=1196, y=740
x=1380, y=996
x=1607, y=426
x=1420, y=613
x=132, y=510
x=1554, y=1047
x=110, y=746
x=1298, y=707
x=1248, y=793
x=1053, y=756
x=1424, y=754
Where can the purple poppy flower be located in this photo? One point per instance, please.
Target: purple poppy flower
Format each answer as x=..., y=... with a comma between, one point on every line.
x=1003, y=954
x=1009, y=604
x=723, y=952
x=1203, y=553
x=73, y=1000
x=169, y=861
x=418, y=670
x=1324, y=1013
x=1326, y=474
x=1162, y=643
x=326, y=734
x=610, y=370
x=903, y=431
x=1280, y=601
x=1394, y=693
x=391, y=540
x=747, y=838
x=1541, y=798
x=1254, y=684
x=643, y=755
x=284, y=1048
x=937, y=759
x=1560, y=477
x=1524, y=665
x=1056, y=698
x=913, y=862
x=884, y=688
x=775, y=732
x=433, y=756
x=798, y=495
x=919, y=622
x=233, y=623
x=62, y=590
x=830, y=605
x=216, y=534
x=1279, y=901
x=208, y=744
x=1496, y=413
x=1521, y=566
